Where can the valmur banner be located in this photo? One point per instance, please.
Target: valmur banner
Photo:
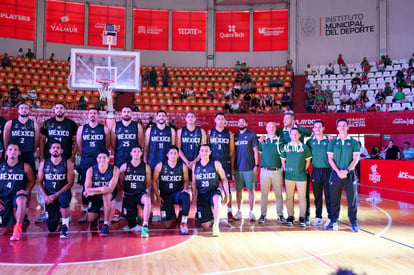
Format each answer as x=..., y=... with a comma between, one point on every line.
x=232, y=31
x=151, y=29
x=18, y=19
x=270, y=30
x=101, y=15
x=189, y=30
x=65, y=22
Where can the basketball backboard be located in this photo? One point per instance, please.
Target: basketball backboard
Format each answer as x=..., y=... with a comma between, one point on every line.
x=88, y=67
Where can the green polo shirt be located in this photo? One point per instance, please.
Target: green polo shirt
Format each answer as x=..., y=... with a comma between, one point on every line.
x=283, y=133
x=319, y=149
x=343, y=151
x=271, y=153
x=295, y=156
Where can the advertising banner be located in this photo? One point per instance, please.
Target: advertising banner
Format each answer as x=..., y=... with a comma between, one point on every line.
x=151, y=29
x=65, y=22
x=101, y=15
x=189, y=30
x=270, y=30
x=18, y=19
x=232, y=31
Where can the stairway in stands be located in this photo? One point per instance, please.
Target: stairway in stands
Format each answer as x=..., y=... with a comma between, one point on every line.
x=299, y=98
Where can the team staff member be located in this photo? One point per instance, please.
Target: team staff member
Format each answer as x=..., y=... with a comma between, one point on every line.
x=321, y=171
x=246, y=166
x=271, y=172
x=206, y=191
x=221, y=142
x=16, y=181
x=172, y=186
x=135, y=181
x=343, y=155
x=101, y=180
x=55, y=179
x=296, y=158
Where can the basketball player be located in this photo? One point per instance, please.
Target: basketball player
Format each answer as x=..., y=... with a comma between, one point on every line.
x=125, y=134
x=172, y=187
x=91, y=138
x=222, y=149
x=16, y=181
x=101, y=180
x=206, y=191
x=55, y=179
x=135, y=181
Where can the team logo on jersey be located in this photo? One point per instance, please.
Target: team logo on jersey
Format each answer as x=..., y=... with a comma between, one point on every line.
x=348, y=143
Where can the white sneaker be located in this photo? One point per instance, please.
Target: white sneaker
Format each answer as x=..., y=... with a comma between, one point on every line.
x=238, y=216
x=317, y=222
x=251, y=216
x=133, y=229
x=327, y=223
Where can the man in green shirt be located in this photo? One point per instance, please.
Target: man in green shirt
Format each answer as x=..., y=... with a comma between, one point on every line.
x=343, y=156
x=271, y=172
x=321, y=170
x=296, y=158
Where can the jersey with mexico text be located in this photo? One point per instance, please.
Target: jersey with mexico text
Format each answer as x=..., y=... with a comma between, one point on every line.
x=55, y=176
x=190, y=142
x=171, y=179
x=102, y=179
x=93, y=140
x=207, y=178
x=135, y=179
x=23, y=135
x=126, y=138
x=62, y=131
x=160, y=142
x=12, y=179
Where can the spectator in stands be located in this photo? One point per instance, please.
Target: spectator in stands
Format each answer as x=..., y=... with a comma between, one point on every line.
x=317, y=87
x=227, y=106
x=359, y=104
x=370, y=107
x=36, y=104
x=386, y=60
x=387, y=89
x=400, y=78
x=262, y=101
x=100, y=104
x=235, y=107
x=344, y=96
x=30, y=54
x=183, y=94
x=363, y=96
x=237, y=67
x=30, y=95
x=236, y=90
x=364, y=78
x=153, y=77
x=150, y=122
x=399, y=96
x=82, y=103
x=318, y=95
x=5, y=61
x=212, y=94
x=329, y=69
x=239, y=77
x=383, y=152
x=278, y=109
x=272, y=82
x=270, y=101
x=320, y=106
x=380, y=97
x=308, y=86
x=135, y=108
x=375, y=153
x=340, y=60
x=392, y=151
x=411, y=61
x=310, y=101
x=289, y=66
x=245, y=88
x=341, y=109
x=343, y=69
x=287, y=100
x=247, y=100
x=165, y=78
x=364, y=62
x=408, y=152
x=254, y=103
x=253, y=89
x=410, y=70
x=353, y=95
x=356, y=80
x=20, y=52
x=308, y=70
x=190, y=93
x=52, y=57
x=244, y=67
x=228, y=93
x=380, y=66
x=15, y=96
x=172, y=124
x=279, y=82
x=145, y=78
x=247, y=77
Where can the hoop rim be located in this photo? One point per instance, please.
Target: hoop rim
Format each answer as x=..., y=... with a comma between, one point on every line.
x=103, y=81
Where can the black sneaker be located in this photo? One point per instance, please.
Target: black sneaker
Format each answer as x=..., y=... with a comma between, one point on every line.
x=281, y=220
x=64, y=234
x=94, y=225
x=290, y=221
x=104, y=231
x=262, y=219
x=302, y=222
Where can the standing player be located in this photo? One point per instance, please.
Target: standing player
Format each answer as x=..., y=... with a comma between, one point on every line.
x=91, y=138
x=222, y=149
x=343, y=156
x=2, y=123
x=206, y=191
x=172, y=186
x=246, y=166
x=296, y=158
x=125, y=134
x=135, y=181
x=321, y=170
x=16, y=181
x=100, y=183
x=55, y=179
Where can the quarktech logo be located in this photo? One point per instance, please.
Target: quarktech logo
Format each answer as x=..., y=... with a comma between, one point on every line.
x=232, y=33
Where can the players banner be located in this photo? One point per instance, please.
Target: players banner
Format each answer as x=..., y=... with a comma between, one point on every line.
x=392, y=179
x=189, y=30
x=101, y=15
x=232, y=31
x=151, y=29
x=18, y=19
x=270, y=30
x=65, y=22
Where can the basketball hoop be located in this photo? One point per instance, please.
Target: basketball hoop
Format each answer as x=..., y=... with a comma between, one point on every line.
x=105, y=87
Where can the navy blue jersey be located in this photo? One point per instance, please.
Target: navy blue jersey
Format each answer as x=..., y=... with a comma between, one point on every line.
x=135, y=179
x=220, y=146
x=102, y=179
x=62, y=131
x=207, y=178
x=55, y=176
x=244, y=143
x=190, y=142
x=160, y=142
x=93, y=140
x=171, y=179
x=23, y=135
x=12, y=179
x=126, y=138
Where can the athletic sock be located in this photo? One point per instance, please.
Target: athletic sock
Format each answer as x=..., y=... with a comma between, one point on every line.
x=118, y=205
x=106, y=222
x=65, y=221
x=145, y=224
x=184, y=219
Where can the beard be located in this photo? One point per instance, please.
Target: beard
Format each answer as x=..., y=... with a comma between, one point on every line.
x=24, y=115
x=126, y=118
x=60, y=115
x=55, y=154
x=241, y=128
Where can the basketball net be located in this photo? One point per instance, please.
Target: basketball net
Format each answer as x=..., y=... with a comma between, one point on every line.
x=105, y=87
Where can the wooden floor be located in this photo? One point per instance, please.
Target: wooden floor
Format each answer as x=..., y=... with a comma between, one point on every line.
x=385, y=245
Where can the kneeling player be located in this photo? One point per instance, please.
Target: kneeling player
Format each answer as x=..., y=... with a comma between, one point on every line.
x=135, y=180
x=206, y=176
x=100, y=183
x=173, y=184
x=55, y=179
x=16, y=181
